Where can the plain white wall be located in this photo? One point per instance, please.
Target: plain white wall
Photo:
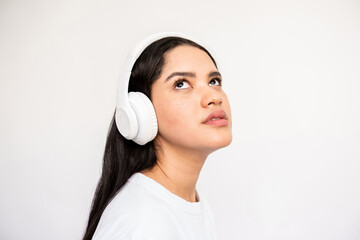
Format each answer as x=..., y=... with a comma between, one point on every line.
x=291, y=70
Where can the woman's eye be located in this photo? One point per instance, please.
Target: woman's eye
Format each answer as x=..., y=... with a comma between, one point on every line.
x=215, y=82
x=181, y=84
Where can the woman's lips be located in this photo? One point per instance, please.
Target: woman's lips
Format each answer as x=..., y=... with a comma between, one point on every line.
x=217, y=118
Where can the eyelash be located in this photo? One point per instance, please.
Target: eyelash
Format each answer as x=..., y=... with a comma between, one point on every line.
x=180, y=81
x=219, y=80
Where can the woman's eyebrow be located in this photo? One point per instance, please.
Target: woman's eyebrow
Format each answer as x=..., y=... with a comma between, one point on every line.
x=214, y=74
x=183, y=74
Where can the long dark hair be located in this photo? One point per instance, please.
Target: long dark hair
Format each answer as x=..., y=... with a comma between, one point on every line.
x=122, y=157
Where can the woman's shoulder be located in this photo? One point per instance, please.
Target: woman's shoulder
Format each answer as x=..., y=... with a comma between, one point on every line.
x=127, y=212
x=122, y=214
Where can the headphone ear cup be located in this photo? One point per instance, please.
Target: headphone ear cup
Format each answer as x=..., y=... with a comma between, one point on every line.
x=146, y=117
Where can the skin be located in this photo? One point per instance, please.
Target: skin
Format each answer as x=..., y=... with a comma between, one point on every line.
x=182, y=103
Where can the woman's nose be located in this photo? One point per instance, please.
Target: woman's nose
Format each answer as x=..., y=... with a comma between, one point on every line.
x=211, y=97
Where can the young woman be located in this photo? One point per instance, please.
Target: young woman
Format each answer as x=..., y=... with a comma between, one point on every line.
x=149, y=191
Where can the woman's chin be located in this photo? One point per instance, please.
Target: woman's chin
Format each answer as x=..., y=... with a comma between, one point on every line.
x=219, y=142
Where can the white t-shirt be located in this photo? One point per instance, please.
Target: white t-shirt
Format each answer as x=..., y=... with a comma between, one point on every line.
x=145, y=210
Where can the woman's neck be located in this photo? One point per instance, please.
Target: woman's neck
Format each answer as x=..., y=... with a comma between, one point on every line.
x=177, y=170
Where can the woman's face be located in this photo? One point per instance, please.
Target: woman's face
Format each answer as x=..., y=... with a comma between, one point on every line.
x=192, y=110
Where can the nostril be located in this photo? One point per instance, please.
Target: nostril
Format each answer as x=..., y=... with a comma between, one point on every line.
x=211, y=99
x=215, y=101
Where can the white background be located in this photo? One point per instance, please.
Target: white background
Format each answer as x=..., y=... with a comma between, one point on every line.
x=291, y=70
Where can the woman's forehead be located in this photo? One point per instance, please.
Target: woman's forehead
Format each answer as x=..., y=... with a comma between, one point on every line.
x=187, y=58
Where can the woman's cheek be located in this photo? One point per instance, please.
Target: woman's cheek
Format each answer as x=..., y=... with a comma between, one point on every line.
x=172, y=113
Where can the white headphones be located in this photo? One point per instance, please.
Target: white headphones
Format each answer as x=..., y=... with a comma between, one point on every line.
x=135, y=115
